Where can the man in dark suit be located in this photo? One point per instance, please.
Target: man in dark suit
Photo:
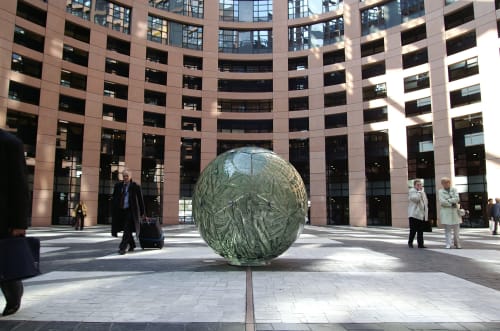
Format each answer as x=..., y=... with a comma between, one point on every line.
x=14, y=200
x=128, y=209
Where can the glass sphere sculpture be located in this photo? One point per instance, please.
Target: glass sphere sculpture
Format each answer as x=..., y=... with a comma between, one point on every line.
x=249, y=205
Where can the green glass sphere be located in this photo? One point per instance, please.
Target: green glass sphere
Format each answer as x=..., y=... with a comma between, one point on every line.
x=249, y=205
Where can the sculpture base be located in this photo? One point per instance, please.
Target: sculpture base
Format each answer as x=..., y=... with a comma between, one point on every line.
x=249, y=263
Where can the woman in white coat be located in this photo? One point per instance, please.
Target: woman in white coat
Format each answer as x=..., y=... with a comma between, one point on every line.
x=418, y=213
x=449, y=199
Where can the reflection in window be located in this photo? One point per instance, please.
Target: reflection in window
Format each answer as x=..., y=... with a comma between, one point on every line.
x=465, y=96
x=376, y=91
x=246, y=10
x=418, y=106
x=416, y=82
x=112, y=15
x=245, y=106
x=463, y=69
x=192, y=8
x=80, y=8
x=245, y=41
x=389, y=14
x=316, y=35
x=306, y=8
x=175, y=34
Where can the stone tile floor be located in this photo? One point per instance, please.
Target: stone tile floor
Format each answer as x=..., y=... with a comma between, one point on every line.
x=332, y=278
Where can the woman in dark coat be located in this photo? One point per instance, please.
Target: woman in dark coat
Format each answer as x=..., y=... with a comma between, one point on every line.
x=128, y=209
x=14, y=203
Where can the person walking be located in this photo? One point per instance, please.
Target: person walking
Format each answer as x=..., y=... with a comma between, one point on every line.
x=450, y=218
x=14, y=206
x=418, y=213
x=128, y=209
x=80, y=212
x=495, y=215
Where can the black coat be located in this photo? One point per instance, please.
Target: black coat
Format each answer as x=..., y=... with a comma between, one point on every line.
x=136, y=205
x=14, y=193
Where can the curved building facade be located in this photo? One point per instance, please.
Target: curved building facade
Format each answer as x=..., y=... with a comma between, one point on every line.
x=360, y=96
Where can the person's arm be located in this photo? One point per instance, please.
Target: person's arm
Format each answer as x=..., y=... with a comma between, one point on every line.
x=140, y=200
x=414, y=195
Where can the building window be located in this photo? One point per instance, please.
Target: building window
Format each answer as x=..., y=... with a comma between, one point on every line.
x=316, y=35
x=416, y=82
x=461, y=43
x=24, y=93
x=297, y=63
x=459, y=17
x=73, y=80
x=77, y=32
x=193, y=62
x=71, y=104
x=245, y=106
x=156, y=55
x=389, y=14
x=335, y=99
x=245, y=126
x=192, y=82
x=298, y=124
x=118, y=45
x=175, y=34
x=336, y=121
x=191, y=123
x=155, y=98
x=80, y=8
x=193, y=8
x=157, y=29
x=153, y=119
x=114, y=113
x=300, y=103
x=31, y=13
x=376, y=91
x=334, y=78
x=29, y=39
x=415, y=58
x=298, y=151
x=191, y=103
x=337, y=180
x=372, y=47
x=226, y=145
x=116, y=67
x=374, y=115
x=373, y=69
x=189, y=173
x=413, y=35
x=156, y=76
x=465, y=96
x=245, y=66
x=112, y=15
x=418, y=107
x=115, y=90
x=245, y=41
x=75, y=55
x=152, y=173
x=298, y=83
x=246, y=10
x=26, y=66
x=25, y=127
x=234, y=85
x=334, y=57
x=463, y=69
x=306, y=8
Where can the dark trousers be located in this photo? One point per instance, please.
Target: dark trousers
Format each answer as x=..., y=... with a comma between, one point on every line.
x=416, y=227
x=128, y=230
x=79, y=221
x=12, y=291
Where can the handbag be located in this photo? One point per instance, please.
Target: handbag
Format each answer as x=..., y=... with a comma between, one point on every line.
x=426, y=226
x=19, y=258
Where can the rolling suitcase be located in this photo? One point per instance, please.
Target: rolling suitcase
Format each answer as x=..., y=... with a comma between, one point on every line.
x=151, y=234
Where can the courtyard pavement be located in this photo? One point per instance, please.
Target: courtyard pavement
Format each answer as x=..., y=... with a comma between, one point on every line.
x=332, y=278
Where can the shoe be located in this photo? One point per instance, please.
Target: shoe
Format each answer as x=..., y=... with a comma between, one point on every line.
x=494, y=233
x=458, y=246
x=448, y=246
x=121, y=252
x=131, y=249
x=9, y=310
x=410, y=245
x=422, y=246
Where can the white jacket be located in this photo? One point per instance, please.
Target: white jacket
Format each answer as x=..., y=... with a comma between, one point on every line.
x=418, y=205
